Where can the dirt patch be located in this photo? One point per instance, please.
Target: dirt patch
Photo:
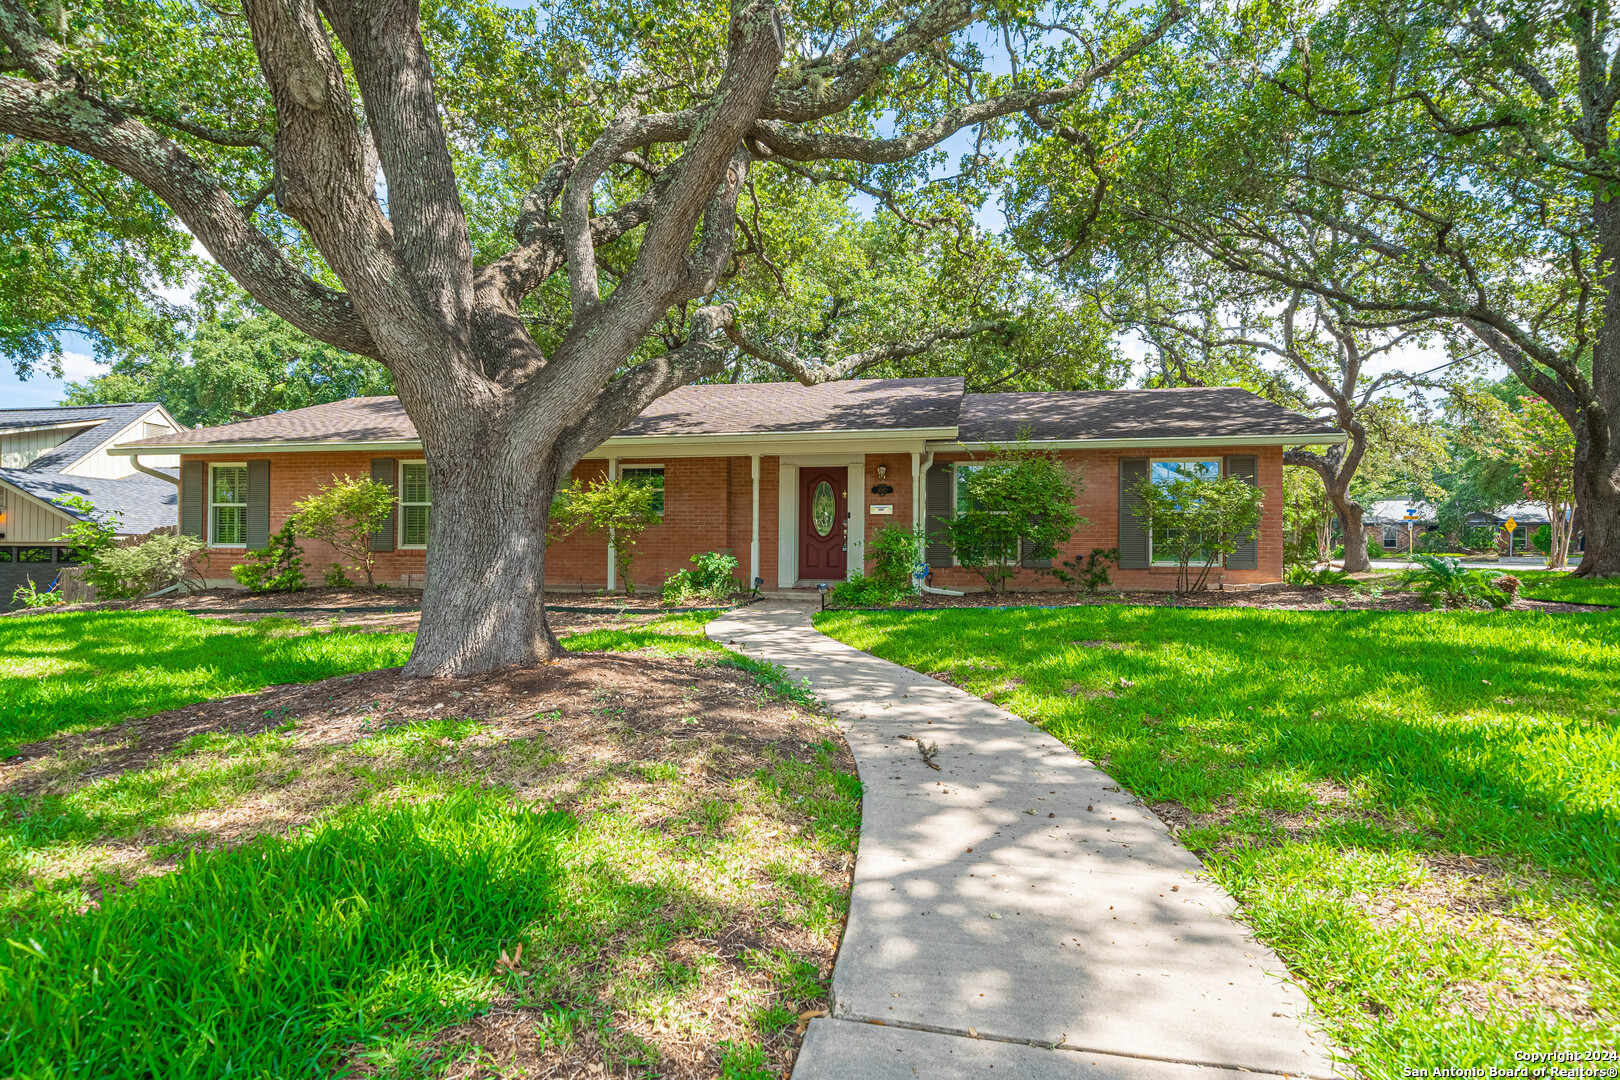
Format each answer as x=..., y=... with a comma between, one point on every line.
x=652, y=738
x=1282, y=597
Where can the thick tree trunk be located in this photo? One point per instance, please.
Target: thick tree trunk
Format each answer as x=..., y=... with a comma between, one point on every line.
x=1355, y=535
x=1597, y=493
x=484, y=602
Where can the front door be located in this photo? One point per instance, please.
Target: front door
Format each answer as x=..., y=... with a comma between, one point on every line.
x=823, y=523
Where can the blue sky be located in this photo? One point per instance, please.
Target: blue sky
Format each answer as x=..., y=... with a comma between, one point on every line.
x=40, y=389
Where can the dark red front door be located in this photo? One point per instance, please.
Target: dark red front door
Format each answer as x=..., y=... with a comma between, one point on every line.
x=823, y=528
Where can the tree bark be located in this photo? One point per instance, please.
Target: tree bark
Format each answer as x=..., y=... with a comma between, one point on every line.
x=1597, y=493
x=1355, y=535
x=483, y=602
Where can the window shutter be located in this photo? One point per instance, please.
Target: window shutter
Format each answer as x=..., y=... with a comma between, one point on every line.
x=385, y=470
x=193, y=494
x=258, y=505
x=937, y=500
x=1246, y=556
x=1024, y=548
x=1133, y=534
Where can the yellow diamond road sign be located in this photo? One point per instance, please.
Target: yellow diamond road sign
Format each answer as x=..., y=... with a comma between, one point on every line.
x=1509, y=525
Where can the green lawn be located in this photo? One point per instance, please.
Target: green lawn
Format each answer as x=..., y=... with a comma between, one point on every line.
x=1420, y=812
x=86, y=669
x=163, y=919
x=1558, y=585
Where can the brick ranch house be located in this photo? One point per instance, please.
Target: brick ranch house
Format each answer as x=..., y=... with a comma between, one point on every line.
x=793, y=480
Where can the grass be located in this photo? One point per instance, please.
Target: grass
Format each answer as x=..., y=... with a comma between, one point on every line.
x=76, y=671
x=1420, y=812
x=263, y=905
x=1558, y=585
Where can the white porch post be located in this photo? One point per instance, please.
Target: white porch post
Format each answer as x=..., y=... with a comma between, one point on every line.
x=612, y=567
x=753, y=541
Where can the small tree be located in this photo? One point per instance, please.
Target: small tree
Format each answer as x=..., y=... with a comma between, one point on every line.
x=1196, y=519
x=1541, y=445
x=623, y=507
x=91, y=538
x=1016, y=506
x=344, y=514
x=277, y=568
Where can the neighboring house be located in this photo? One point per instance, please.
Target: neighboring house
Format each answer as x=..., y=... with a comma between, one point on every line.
x=47, y=453
x=1526, y=518
x=1399, y=524
x=793, y=480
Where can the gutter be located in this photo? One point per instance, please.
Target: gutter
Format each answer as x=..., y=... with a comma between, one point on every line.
x=135, y=460
x=1326, y=438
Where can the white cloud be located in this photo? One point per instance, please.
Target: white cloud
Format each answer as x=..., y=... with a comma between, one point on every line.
x=77, y=367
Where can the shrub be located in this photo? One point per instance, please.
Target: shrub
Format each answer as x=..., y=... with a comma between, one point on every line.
x=1542, y=539
x=335, y=577
x=711, y=577
x=625, y=507
x=344, y=514
x=162, y=562
x=277, y=568
x=29, y=595
x=1445, y=583
x=891, y=557
x=1016, y=505
x=863, y=591
x=1375, y=548
x=1481, y=538
x=277, y=955
x=90, y=539
x=1435, y=543
x=1090, y=573
x=1316, y=576
x=1198, y=519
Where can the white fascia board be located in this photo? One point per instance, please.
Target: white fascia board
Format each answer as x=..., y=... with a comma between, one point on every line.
x=1324, y=439
x=60, y=426
x=236, y=448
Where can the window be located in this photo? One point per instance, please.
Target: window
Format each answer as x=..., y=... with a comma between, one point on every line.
x=963, y=502
x=5, y=554
x=652, y=476
x=415, y=504
x=1168, y=472
x=228, y=506
x=34, y=554
x=1392, y=537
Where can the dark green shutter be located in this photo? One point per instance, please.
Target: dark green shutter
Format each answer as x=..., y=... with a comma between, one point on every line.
x=1025, y=546
x=937, y=505
x=385, y=470
x=1246, y=556
x=258, y=505
x=1133, y=533
x=193, y=494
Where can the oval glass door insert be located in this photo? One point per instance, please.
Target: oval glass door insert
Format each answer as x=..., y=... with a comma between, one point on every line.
x=822, y=505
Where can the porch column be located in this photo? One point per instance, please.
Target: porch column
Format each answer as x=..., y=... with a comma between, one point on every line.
x=753, y=542
x=612, y=567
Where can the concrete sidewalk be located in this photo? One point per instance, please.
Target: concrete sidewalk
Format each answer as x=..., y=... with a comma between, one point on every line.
x=1014, y=910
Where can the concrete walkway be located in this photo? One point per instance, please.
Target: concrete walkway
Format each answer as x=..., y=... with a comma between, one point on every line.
x=1014, y=913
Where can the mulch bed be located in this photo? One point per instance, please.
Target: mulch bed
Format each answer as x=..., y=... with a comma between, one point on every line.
x=1282, y=597
x=594, y=713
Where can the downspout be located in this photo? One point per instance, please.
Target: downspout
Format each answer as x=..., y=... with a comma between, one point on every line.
x=753, y=541
x=612, y=554
x=135, y=460
x=919, y=504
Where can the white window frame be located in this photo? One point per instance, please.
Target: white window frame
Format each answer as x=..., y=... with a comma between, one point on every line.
x=1220, y=465
x=214, y=466
x=400, y=505
x=956, y=467
x=656, y=467
x=1392, y=537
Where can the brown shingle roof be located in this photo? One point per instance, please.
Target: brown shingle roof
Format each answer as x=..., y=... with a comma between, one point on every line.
x=1214, y=412
x=849, y=405
x=715, y=409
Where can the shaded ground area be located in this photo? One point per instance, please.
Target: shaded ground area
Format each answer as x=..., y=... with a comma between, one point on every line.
x=1373, y=595
x=705, y=885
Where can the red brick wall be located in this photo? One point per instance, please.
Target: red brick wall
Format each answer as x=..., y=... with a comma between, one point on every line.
x=1098, y=472
x=708, y=508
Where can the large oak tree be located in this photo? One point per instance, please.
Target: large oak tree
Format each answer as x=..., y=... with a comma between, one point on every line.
x=1462, y=155
x=349, y=162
